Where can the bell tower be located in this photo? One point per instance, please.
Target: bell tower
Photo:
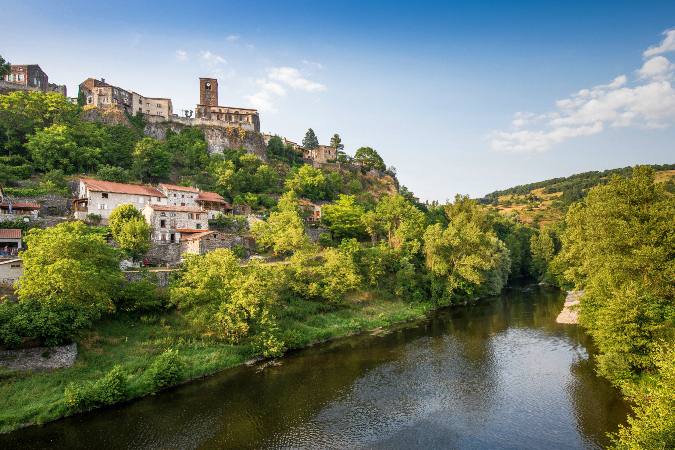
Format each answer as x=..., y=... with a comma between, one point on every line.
x=208, y=91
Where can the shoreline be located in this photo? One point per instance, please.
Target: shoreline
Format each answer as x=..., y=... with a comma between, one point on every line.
x=570, y=312
x=398, y=314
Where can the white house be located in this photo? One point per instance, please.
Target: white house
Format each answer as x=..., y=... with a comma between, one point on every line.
x=212, y=202
x=10, y=271
x=101, y=197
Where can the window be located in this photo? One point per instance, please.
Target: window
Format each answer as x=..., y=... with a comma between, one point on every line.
x=199, y=226
x=162, y=223
x=182, y=204
x=158, y=199
x=102, y=206
x=159, y=105
x=104, y=195
x=197, y=216
x=163, y=237
x=162, y=214
x=20, y=77
x=190, y=216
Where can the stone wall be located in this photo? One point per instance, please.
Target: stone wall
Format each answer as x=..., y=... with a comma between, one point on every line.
x=164, y=254
x=161, y=277
x=218, y=137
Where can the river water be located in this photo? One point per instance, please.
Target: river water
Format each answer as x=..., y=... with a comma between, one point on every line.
x=500, y=374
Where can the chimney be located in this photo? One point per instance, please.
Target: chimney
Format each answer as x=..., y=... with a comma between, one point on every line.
x=102, y=80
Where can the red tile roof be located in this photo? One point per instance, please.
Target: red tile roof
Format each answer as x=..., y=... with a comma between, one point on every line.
x=175, y=208
x=121, y=188
x=175, y=187
x=20, y=205
x=210, y=197
x=10, y=233
x=194, y=235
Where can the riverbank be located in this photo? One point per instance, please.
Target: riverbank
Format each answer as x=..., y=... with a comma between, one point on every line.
x=570, y=311
x=28, y=398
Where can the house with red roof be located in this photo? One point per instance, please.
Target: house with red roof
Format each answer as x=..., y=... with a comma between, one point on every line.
x=12, y=210
x=172, y=223
x=212, y=202
x=10, y=242
x=102, y=197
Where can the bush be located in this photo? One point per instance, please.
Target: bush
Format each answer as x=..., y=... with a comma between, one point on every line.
x=93, y=219
x=113, y=173
x=167, y=369
x=140, y=296
x=107, y=390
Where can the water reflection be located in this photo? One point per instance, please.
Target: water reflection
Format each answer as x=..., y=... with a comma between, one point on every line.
x=498, y=375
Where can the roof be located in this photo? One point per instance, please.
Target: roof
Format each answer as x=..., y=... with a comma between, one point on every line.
x=121, y=188
x=195, y=236
x=20, y=205
x=192, y=231
x=175, y=187
x=210, y=197
x=10, y=261
x=175, y=208
x=10, y=233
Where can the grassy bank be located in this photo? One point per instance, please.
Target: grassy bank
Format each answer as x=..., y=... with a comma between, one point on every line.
x=133, y=342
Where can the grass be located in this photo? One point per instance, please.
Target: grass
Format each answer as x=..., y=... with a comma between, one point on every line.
x=133, y=342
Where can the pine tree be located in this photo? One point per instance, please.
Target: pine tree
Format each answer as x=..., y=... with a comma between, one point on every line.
x=336, y=142
x=310, y=140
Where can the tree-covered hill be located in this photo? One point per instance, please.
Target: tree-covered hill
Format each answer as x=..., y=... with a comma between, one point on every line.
x=545, y=202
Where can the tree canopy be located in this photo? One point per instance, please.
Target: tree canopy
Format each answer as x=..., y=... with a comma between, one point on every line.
x=310, y=140
x=369, y=158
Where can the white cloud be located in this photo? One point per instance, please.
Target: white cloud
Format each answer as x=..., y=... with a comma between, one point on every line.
x=666, y=45
x=277, y=83
x=647, y=102
x=211, y=59
x=316, y=65
x=657, y=68
x=233, y=38
x=181, y=55
x=292, y=77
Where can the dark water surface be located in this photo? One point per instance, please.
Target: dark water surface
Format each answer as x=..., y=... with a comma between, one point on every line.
x=498, y=375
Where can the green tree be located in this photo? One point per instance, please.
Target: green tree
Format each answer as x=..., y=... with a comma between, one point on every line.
x=118, y=145
x=398, y=221
x=113, y=173
x=152, y=161
x=344, y=218
x=326, y=276
x=69, y=267
x=336, y=142
x=189, y=150
x=369, y=159
x=56, y=147
x=120, y=215
x=283, y=232
x=24, y=112
x=309, y=182
x=5, y=67
x=310, y=140
x=619, y=246
x=134, y=238
x=544, y=245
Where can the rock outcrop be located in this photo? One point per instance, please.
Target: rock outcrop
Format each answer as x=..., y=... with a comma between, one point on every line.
x=570, y=313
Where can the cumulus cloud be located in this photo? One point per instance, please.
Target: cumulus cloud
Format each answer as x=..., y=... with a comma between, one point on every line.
x=666, y=45
x=181, y=55
x=646, y=102
x=292, y=77
x=211, y=59
x=277, y=83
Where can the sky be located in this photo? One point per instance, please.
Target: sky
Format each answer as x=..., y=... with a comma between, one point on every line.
x=460, y=97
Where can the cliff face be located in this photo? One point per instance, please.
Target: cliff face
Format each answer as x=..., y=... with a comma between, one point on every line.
x=217, y=138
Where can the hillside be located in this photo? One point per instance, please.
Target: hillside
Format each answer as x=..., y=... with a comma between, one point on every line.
x=544, y=202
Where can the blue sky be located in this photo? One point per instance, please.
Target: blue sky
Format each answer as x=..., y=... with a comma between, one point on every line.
x=461, y=97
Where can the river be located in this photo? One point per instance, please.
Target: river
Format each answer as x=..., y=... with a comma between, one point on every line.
x=500, y=374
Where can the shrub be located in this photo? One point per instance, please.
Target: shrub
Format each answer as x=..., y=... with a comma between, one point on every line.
x=113, y=173
x=167, y=369
x=107, y=390
x=94, y=219
x=140, y=296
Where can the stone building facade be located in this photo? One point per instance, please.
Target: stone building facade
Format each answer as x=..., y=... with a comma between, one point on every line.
x=211, y=202
x=170, y=223
x=201, y=243
x=102, y=197
x=209, y=109
x=322, y=154
x=32, y=77
x=102, y=95
x=151, y=106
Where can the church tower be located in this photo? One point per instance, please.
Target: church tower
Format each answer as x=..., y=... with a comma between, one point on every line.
x=208, y=91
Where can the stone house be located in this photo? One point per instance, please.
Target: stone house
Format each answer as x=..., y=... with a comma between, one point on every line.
x=102, y=197
x=102, y=95
x=207, y=241
x=10, y=241
x=322, y=154
x=10, y=271
x=209, y=109
x=11, y=210
x=171, y=223
x=211, y=202
x=30, y=77
x=311, y=210
x=152, y=106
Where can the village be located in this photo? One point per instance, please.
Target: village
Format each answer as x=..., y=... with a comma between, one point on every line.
x=178, y=215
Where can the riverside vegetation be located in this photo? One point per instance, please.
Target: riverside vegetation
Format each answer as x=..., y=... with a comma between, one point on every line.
x=385, y=258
